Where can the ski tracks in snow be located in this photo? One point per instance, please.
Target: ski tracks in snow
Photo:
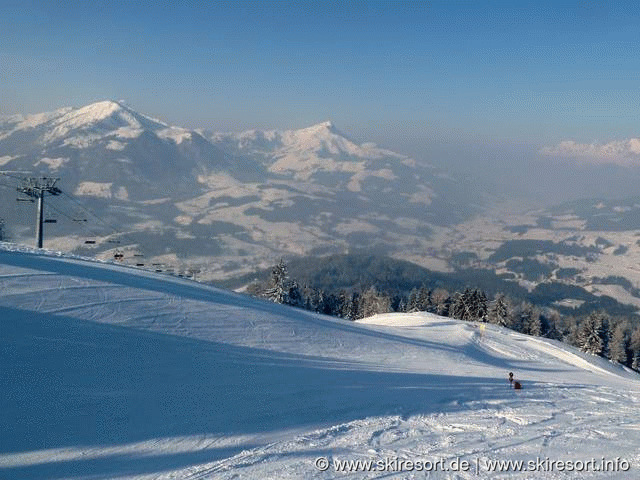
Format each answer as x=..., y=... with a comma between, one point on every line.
x=414, y=386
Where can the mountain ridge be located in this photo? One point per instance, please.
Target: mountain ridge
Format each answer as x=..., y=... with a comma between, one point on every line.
x=251, y=197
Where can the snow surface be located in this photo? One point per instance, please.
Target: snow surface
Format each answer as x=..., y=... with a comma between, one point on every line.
x=114, y=372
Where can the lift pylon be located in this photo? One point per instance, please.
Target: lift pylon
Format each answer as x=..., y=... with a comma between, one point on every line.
x=38, y=187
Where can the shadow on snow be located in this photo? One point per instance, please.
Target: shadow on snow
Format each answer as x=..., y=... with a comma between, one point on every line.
x=73, y=383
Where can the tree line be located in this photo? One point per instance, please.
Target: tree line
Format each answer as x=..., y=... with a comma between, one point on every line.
x=615, y=338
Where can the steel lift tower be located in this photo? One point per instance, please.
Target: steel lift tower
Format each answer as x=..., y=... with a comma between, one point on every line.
x=37, y=188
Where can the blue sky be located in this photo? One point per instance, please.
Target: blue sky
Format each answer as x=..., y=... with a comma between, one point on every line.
x=394, y=72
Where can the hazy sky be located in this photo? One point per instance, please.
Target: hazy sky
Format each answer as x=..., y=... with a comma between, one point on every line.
x=446, y=72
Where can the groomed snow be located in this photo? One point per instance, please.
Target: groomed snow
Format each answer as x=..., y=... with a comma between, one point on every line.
x=114, y=372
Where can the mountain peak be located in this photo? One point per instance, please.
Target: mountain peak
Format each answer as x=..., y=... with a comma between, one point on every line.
x=323, y=131
x=327, y=125
x=93, y=113
x=106, y=115
x=100, y=110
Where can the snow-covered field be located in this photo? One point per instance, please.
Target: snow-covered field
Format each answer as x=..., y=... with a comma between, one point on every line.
x=113, y=372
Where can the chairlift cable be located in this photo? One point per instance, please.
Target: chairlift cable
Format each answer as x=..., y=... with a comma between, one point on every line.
x=91, y=212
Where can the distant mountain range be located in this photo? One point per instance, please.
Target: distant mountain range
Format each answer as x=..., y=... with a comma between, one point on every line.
x=226, y=202
x=229, y=204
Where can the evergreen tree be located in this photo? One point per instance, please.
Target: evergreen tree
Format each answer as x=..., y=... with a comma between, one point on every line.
x=591, y=334
x=479, y=308
x=423, y=300
x=318, y=300
x=294, y=296
x=458, y=308
x=498, y=313
x=553, y=324
x=367, y=301
x=352, y=312
x=412, y=303
x=330, y=305
x=278, y=287
x=568, y=328
x=399, y=303
x=468, y=300
x=618, y=343
x=536, y=325
x=343, y=301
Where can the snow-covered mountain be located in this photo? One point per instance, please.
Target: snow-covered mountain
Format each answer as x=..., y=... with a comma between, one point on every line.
x=112, y=372
x=315, y=150
x=229, y=202
x=110, y=147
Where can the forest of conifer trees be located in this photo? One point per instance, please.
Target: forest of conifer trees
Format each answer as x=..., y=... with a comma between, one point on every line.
x=616, y=338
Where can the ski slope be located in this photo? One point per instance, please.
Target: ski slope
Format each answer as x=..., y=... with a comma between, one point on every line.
x=114, y=372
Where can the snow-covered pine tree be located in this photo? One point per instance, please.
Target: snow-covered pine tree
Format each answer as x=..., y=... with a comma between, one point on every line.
x=536, y=323
x=278, y=287
x=318, y=300
x=498, y=313
x=343, y=302
x=469, y=305
x=479, y=305
x=553, y=323
x=591, y=333
x=412, y=303
x=384, y=303
x=366, y=302
x=424, y=299
x=458, y=307
x=571, y=329
x=352, y=308
x=618, y=343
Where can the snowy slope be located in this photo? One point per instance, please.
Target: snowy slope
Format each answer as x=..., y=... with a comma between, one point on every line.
x=112, y=372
